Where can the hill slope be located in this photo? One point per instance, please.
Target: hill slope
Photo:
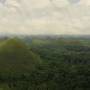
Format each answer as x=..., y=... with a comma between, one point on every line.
x=16, y=57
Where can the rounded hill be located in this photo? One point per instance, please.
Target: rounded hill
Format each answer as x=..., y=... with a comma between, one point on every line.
x=16, y=57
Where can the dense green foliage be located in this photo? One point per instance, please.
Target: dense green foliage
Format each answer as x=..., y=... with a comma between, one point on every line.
x=45, y=64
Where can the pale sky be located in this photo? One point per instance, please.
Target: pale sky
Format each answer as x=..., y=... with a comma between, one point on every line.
x=45, y=16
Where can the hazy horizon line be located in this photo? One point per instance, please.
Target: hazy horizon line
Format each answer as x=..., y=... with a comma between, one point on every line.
x=15, y=34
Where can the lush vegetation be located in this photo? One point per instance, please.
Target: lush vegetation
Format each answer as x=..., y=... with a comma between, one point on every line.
x=45, y=64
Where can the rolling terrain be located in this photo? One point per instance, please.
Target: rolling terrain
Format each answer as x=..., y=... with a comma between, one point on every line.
x=48, y=63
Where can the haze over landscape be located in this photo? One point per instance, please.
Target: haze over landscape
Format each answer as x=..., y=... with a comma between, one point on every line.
x=44, y=45
x=45, y=16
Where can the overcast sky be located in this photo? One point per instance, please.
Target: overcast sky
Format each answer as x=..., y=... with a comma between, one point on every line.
x=45, y=16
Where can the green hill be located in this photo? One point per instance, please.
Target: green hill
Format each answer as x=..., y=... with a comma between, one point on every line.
x=16, y=57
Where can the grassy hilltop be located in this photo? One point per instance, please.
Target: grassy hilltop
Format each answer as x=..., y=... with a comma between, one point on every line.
x=16, y=57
